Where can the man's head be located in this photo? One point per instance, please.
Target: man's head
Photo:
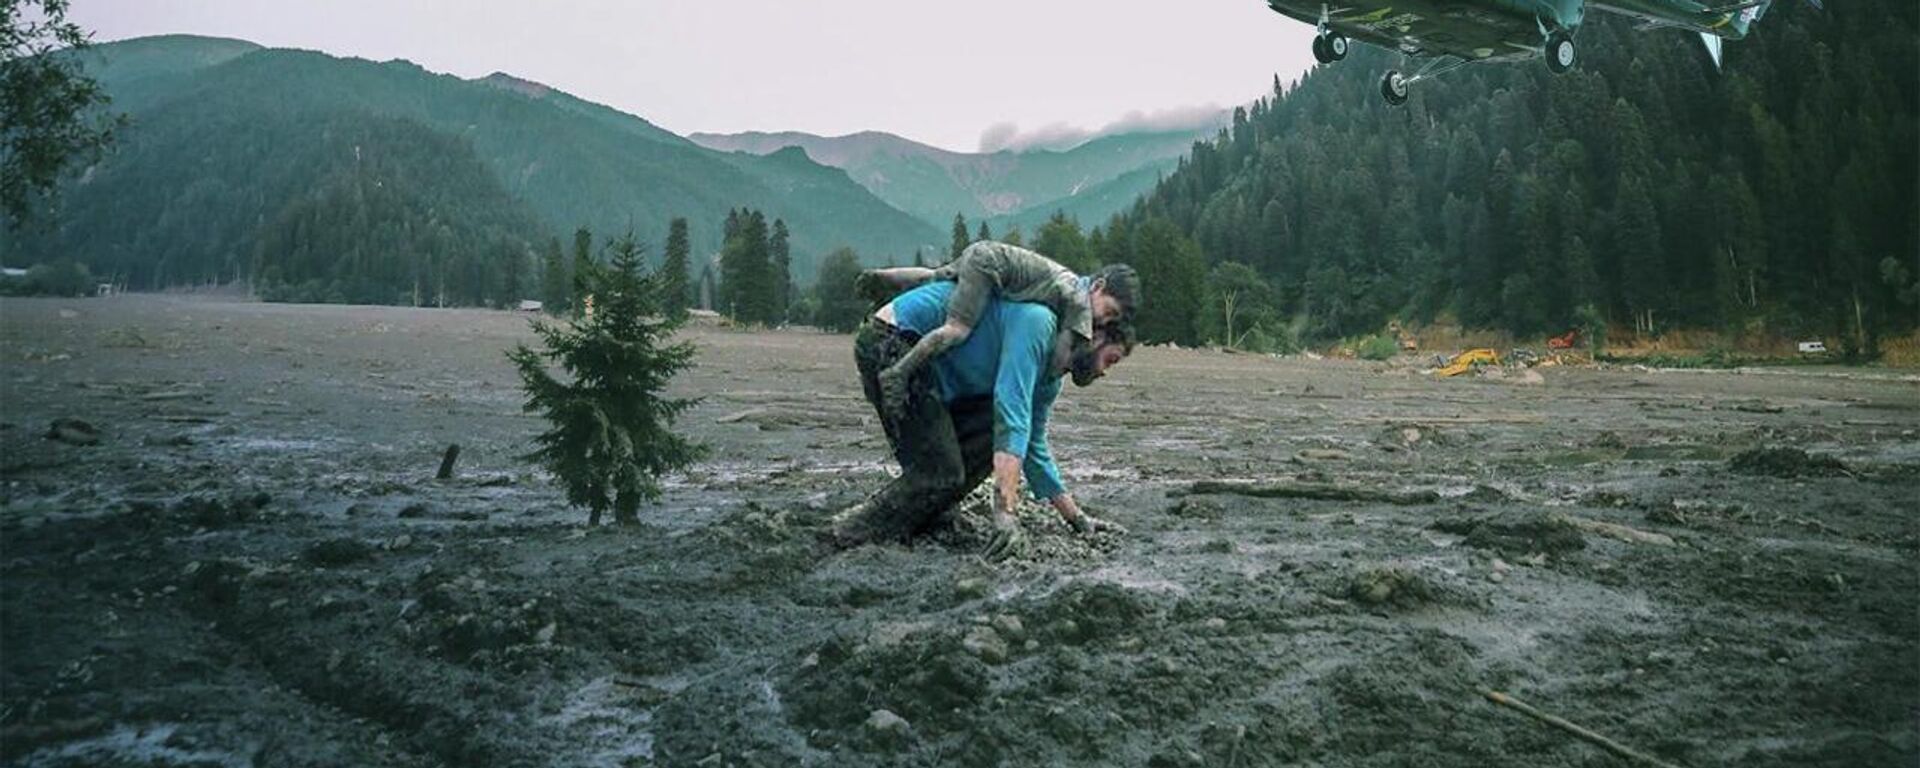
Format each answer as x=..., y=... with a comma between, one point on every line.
x=1114, y=293
x=1090, y=360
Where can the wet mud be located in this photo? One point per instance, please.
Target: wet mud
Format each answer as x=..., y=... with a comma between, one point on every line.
x=222, y=543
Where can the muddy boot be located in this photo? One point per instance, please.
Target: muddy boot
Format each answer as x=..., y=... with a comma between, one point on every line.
x=848, y=528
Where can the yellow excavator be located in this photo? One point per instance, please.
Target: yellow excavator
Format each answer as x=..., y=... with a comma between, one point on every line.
x=1465, y=361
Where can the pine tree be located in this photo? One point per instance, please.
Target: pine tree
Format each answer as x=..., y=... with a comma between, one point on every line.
x=985, y=233
x=675, y=292
x=1060, y=239
x=610, y=437
x=781, y=273
x=839, y=309
x=746, y=279
x=582, y=270
x=1172, y=271
x=960, y=238
x=556, y=280
x=512, y=274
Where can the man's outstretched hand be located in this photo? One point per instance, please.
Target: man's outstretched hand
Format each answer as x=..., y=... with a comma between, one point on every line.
x=1008, y=540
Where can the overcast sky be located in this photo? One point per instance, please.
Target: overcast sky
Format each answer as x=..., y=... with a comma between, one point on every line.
x=947, y=74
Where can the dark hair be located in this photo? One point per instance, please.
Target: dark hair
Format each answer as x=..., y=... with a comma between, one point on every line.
x=1123, y=284
x=1118, y=332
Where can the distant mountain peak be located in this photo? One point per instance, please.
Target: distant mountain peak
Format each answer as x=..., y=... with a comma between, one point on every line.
x=933, y=183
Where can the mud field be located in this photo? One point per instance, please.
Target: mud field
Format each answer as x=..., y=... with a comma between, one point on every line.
x=1327, y=562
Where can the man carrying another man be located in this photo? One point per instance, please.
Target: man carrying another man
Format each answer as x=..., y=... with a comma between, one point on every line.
x=980, y=408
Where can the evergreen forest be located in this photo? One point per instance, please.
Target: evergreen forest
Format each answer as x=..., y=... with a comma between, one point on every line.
x=1643, y=189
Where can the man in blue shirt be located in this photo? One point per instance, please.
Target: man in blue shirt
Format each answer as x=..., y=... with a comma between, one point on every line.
x=980, y=409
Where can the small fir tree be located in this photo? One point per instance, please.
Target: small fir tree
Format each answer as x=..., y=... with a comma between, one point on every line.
x=610, y=438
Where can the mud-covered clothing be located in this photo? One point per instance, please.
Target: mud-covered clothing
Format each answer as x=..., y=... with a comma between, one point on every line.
x=945, y=448
x=1008, y=357
x=989, y=269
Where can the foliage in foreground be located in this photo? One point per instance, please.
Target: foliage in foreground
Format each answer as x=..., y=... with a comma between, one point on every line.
x=49, y=108
x=611, y=436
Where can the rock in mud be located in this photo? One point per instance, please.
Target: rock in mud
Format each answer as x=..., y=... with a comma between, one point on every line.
x=73, y=432
x=1391, y=586
x=986, y=644
x=210, y=512
x=334, y=553
x=1785, y=462
x=1516, y=532
x=217, y=582
x=1199, y=508
x=885, y=727
x=1009, y=626
x=970, y=588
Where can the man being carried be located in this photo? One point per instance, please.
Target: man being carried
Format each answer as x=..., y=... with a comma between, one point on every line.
x=994, y=270
x=982, y=408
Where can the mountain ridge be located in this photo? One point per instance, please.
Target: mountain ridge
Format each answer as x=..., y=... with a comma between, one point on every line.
x=572, y=162
x=1005, y=186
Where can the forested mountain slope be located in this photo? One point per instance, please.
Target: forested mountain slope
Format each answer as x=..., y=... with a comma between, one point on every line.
x=1775, y=197
x=227, y=140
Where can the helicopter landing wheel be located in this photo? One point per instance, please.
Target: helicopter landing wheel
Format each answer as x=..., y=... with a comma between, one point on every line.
x=1330, y=47
x=1560, y=52
x=1337, y=46
x=1394, y=87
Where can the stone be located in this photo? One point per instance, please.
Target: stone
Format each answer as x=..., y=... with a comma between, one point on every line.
x=73, y=432
x=986, y=644
x=887, y=725
x=971, y=588
x=1009, y=626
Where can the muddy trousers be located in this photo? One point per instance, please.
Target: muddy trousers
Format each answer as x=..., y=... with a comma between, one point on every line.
x=944, y=449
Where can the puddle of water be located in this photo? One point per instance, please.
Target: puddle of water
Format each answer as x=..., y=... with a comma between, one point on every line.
x=273, y=444
x=1132, y=579
x=130, y=745
x=613, y=730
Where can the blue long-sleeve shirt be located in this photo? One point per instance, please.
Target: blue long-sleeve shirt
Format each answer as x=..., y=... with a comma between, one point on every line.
x=1009, y=356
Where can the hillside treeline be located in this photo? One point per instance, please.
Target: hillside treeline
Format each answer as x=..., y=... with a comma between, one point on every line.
x=381, y=182
x=1776, y=197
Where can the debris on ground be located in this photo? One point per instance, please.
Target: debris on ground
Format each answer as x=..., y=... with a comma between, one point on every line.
x=73, y=432
x=1786, y=462
x=1516, y=532
x=1315, y=491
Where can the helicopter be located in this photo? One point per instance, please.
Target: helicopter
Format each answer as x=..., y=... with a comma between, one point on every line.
x=1453, y=33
